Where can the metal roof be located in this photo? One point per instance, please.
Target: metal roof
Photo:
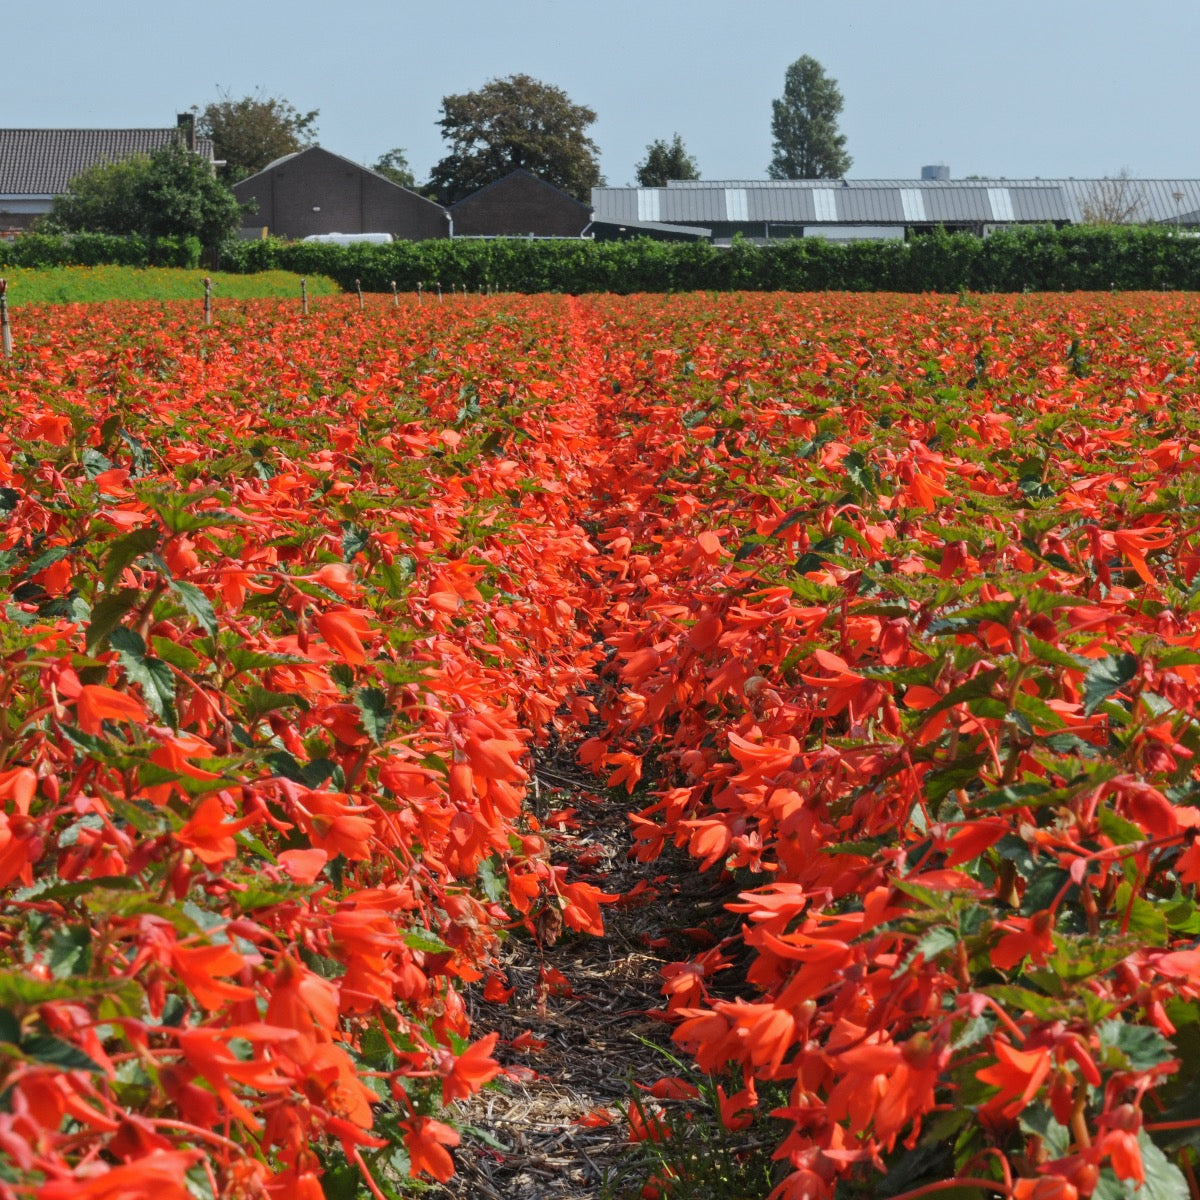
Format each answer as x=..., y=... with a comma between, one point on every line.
x=809, y=202
x=42, y=162
x=693, y=231
x=1164, y=200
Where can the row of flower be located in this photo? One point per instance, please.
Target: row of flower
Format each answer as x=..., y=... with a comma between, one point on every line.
x=287, y=601
x=900, y=605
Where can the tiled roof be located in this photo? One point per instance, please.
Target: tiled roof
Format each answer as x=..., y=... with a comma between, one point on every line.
x=42, y=162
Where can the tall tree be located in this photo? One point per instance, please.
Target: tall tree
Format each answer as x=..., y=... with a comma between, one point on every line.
x=170, y=193
x=252, y=131
x=511, y=123
x=666, y=160
x=804, y=126
x=394, y=166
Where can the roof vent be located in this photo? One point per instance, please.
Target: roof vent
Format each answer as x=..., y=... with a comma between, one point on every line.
x=938, y=171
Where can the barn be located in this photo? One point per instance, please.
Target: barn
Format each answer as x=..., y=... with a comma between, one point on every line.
x=315, y=191
x=520, y=205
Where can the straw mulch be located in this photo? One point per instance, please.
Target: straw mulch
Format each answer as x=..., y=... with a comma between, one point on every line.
x=552, y=1128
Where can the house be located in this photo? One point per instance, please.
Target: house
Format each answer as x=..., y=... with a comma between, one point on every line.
x=877, y=209
x=36, y=165
x=520, y=205
x=315, y=191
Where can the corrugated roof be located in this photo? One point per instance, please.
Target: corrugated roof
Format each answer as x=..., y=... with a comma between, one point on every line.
x=1153, y=199
x=829, y=201
x=42, y=162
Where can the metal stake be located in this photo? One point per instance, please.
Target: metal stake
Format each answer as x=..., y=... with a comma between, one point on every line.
x=5, y=328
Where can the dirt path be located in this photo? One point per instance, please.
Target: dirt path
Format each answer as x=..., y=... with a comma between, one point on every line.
x=572, y=1049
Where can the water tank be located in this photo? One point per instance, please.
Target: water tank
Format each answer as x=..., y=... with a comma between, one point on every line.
x=938, y=171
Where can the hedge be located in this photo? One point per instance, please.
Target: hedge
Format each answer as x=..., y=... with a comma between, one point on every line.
x=34, y=250
x=1027, y=259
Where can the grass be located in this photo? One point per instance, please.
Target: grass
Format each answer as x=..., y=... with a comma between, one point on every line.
x=70, y=285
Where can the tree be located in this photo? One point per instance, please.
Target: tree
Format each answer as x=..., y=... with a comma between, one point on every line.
x=512, y=123
x=170, y=193
x=1115, y=201
x=255, y=130
x=666, y=160
x=807, y=144
x=394, y=166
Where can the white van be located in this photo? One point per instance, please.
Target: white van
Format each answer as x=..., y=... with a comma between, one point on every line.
x=349, y=239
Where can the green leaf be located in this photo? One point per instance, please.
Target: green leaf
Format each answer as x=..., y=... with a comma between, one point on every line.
x=376, y=715
x=196, y=603
x=354, y=540
x=492, y=879
x=938, y=939
x=48, y=558
x=125, y=550
x=10, y=1028
x=243, y=659
x=258, y=701
x=1106, y=676
x=1139, y=1046
x=176, y=654
x=69, y=950
x=1146, y=921
x=107, y=614
x=859, y=472
x=151, y=674
x=143, y=461
x=45, y=1048
x=18, y=990
x=425, y=940
x=1164, y=1180
x=94, y=463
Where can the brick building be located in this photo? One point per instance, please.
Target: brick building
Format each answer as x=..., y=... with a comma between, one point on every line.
x=314, y=191
x=520, y=205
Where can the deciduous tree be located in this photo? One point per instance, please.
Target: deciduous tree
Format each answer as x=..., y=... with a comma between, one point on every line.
x=511, y=123
x=252, y=131
x=666, y=160
x=1115, y=201
x=170, y=193
x=804, y=125
x=394, y=166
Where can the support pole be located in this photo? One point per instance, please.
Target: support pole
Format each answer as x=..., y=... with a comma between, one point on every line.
x=358, y=289
x=207, y=300
x=395, y=295
x=419, y=300
x=5, y=328
x=304, y=296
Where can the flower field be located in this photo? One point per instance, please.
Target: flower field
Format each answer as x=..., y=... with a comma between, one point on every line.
x=880, y=608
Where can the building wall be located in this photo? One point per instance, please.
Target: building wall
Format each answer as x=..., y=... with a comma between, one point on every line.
x=519, y=205
x=319, y=192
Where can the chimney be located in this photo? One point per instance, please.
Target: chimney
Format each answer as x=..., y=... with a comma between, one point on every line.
x=186, y=124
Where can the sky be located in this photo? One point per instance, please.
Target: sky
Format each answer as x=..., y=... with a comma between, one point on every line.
x=1051, y=88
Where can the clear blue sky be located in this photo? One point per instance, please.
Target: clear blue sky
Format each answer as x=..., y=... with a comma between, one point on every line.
x=1019, y=88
